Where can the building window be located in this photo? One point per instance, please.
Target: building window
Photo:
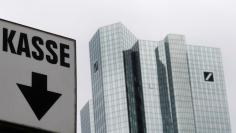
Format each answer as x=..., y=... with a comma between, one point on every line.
x=208, y=76
x=95, y=67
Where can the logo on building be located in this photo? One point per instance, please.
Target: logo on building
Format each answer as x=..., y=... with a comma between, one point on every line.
x=208, y=76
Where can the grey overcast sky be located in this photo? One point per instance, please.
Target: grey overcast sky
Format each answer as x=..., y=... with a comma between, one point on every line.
x=204, y=22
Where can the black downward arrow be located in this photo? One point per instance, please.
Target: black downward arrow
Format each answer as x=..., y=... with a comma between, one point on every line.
x=39, y=99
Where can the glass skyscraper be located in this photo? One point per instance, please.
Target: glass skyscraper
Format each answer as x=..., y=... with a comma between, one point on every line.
x=165, y=86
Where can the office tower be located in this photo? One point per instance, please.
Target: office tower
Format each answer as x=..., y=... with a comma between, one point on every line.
x=165, y=86
x=87, y=118
x=108, y=83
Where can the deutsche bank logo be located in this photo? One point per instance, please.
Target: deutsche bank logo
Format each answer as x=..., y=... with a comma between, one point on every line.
x=208, y=76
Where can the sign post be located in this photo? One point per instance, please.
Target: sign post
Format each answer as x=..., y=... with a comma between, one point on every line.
x=37, y=78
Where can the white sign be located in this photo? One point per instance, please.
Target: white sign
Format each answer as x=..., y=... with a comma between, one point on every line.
x=37, y=78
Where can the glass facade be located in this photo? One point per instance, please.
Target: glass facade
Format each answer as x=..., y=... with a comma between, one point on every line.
x=108, y=82
x=150, y=85
x=179, y=84
x=209, y=96
x=163, y=86
x=87, y=118
x=134, y=92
